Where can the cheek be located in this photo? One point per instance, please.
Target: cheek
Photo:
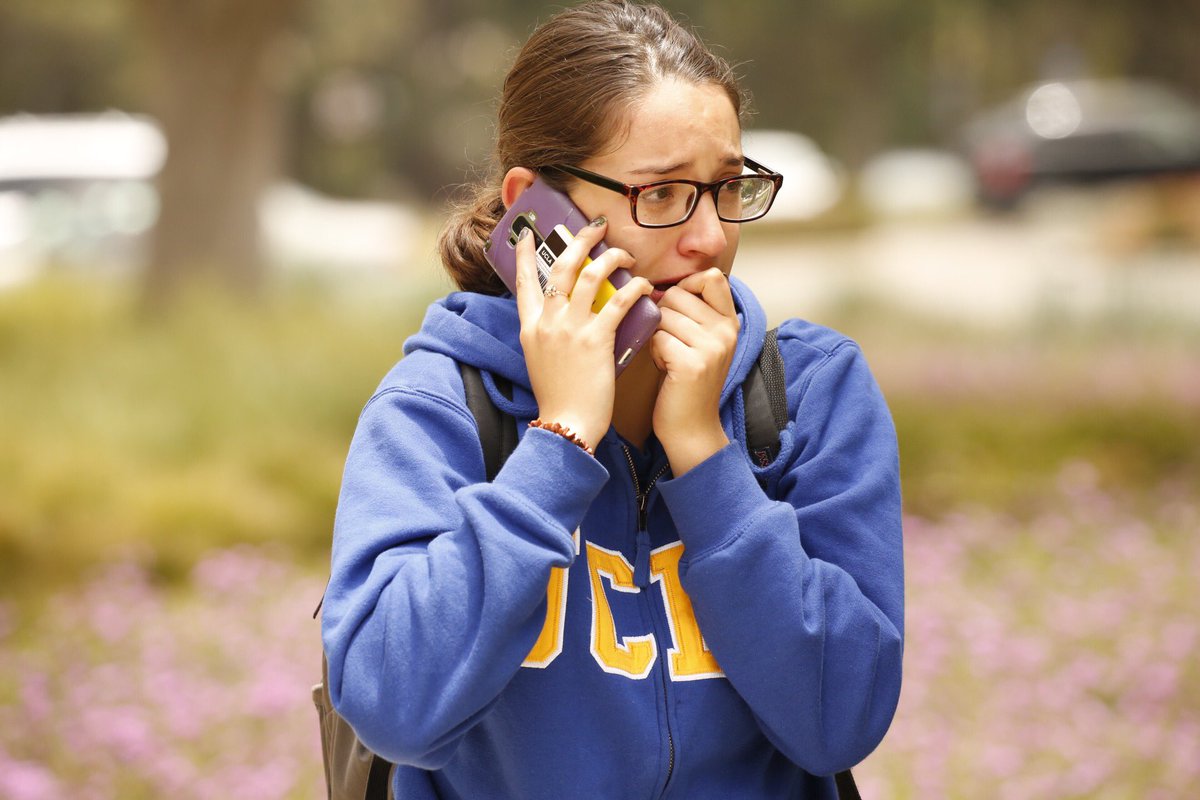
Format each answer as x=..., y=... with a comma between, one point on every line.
x=633, y=240
x=600, y=203
x=733, y=235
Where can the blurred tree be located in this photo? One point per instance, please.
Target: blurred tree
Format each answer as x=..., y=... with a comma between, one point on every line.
x=222, y=111
x=395, y=98
x=431, y=71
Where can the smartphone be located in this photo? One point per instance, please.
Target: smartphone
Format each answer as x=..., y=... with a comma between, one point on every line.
x=553, y=221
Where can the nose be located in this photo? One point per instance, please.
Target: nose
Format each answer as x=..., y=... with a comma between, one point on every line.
x=704, y=233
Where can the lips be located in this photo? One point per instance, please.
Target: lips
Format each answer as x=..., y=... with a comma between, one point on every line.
x=660, y=289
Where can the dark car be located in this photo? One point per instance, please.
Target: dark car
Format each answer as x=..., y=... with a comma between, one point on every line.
x=1085, y=130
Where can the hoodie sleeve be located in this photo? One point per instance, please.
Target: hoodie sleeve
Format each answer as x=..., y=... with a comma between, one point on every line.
x=438, y=587
x=801, y=600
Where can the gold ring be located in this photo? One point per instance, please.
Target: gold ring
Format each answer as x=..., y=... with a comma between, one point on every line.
x=553, y=291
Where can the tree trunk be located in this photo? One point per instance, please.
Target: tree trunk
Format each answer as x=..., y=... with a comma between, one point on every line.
x=222, y=117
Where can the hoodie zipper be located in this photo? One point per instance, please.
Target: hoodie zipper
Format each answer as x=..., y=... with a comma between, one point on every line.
x=641, y=559
x=641, y=579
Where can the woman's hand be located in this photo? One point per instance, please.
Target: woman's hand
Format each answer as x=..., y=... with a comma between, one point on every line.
x=569, y=349
x=694, y=346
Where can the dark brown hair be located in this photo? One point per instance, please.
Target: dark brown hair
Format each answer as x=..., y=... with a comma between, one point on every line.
x=566, y=98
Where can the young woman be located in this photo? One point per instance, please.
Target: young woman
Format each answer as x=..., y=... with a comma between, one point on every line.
x=624, y=611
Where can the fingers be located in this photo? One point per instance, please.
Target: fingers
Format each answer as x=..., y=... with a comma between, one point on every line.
x=565, y=270
x=619, y=304
x=592, y=282
x=686, y=350
x=680, y=359
x=682, y=328
x=688, y=316
x=586, y=284
x=712, y=286
x=665, y=348
x=699, y=304
x=529, y=303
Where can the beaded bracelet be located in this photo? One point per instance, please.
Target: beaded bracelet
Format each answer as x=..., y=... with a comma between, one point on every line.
x=565, y=432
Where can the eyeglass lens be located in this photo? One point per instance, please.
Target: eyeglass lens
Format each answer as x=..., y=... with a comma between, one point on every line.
x=738, y=200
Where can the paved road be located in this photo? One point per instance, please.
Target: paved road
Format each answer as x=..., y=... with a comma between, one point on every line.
x=1095, y=255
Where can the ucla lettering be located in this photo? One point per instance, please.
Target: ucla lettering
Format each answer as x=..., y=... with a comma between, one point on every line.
x=634, y=655
x=690, y=659
x=549, y=642
x=628, y=653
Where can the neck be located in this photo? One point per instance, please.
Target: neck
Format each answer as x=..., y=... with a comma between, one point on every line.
x=633, y=406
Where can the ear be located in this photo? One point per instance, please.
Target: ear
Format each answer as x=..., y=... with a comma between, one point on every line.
x=516, y=180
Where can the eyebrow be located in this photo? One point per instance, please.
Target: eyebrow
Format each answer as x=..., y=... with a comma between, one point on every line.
x=729, y=161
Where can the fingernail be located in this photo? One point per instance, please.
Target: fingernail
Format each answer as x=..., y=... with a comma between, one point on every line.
x=598, y=221
x=521, y=236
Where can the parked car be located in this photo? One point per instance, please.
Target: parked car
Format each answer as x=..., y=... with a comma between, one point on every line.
x=1083, y=130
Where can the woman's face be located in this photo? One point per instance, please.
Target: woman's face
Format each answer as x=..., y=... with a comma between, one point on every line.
x=679, y=130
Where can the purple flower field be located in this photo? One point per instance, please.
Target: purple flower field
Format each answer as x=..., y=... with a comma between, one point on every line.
x=1052, y=487
x=1046, y=658
x=1053, y=658
x=123, y=689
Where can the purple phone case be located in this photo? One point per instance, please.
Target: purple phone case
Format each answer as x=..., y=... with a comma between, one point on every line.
x=546, y=207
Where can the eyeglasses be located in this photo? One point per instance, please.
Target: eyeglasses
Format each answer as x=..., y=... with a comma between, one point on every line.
x=664, y=204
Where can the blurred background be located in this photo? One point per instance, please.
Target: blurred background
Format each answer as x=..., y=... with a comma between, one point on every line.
x=216, y=229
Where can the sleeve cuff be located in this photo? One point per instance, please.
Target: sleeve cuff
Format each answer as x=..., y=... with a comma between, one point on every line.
x=710, y=502
x=555, y=475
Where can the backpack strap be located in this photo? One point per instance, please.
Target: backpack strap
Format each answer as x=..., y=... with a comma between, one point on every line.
x=764, y=395
x=497, y=430
x=847, y=789
x=379, y=781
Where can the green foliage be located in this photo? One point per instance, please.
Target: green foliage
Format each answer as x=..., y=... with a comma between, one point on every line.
x=992, y=420
x=63, y=56
x=1006, y=456
x=164, y=439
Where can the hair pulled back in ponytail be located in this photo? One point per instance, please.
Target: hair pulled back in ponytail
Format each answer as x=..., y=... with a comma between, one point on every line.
x=462, y=240
x=566, y=99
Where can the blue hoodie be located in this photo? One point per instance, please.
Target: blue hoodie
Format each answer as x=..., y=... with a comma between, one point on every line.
x=595, y=627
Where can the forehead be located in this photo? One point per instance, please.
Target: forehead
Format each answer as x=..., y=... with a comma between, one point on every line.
x=678, y=122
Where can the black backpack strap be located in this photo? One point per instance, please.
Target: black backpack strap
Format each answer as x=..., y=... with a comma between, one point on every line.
x=379, y=782
x=497, y=430
x=764, y=395
x=846, y=788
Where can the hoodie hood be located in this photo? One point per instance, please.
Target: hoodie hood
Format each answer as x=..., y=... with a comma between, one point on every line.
x=484, y=331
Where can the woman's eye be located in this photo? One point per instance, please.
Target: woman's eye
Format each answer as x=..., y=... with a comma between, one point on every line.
x=661, y=194
x=737, y=189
